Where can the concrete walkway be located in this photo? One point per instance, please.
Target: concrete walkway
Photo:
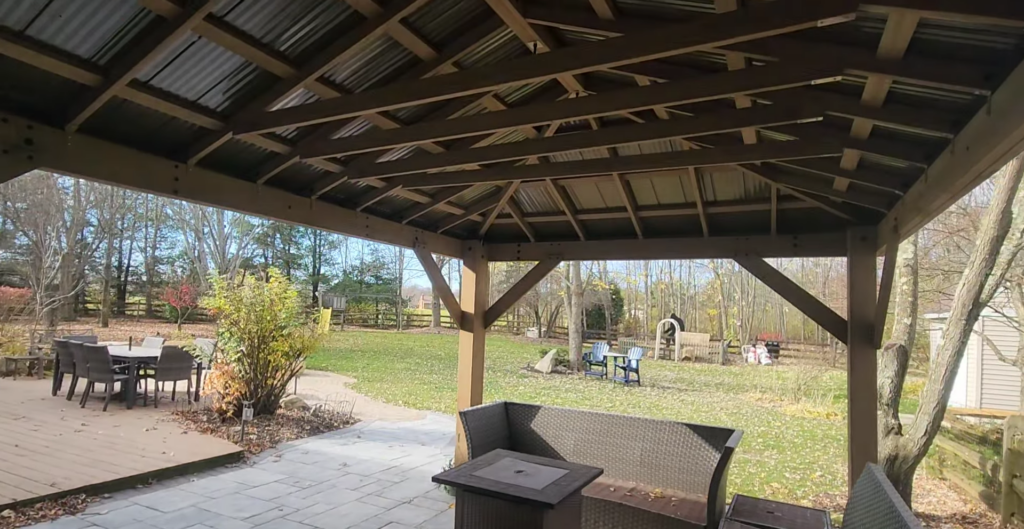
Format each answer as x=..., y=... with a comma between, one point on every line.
x=322, y=386
x=373, y=475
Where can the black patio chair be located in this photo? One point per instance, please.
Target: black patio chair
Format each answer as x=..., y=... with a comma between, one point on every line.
x=173, y=365
x=65, y=363
x=101, y=369
x=81, y=366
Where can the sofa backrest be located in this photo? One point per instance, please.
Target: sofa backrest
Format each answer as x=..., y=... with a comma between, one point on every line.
x=666, y=454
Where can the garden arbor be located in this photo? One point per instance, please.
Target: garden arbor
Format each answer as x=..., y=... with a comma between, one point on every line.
x=495, y=130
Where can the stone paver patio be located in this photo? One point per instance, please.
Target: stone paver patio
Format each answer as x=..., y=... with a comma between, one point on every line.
x=373, y=475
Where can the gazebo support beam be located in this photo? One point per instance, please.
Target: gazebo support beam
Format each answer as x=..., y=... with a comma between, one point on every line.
x=475, y=286
x=518, y=290
x=804, y=301
x=885, y=291
x=13, y=166
x=440, y=285
x=83, y=156
x=861, y=355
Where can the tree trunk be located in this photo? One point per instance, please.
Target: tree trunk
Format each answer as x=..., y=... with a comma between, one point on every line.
x=998, y=242
x=107, y=272
x=574, y=302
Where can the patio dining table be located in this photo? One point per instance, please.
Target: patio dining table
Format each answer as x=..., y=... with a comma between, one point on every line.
x=136, y=355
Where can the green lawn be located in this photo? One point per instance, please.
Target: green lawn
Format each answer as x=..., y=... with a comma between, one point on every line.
x=793, y=418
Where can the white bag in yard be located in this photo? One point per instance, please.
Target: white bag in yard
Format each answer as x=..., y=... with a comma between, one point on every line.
x=764, y=358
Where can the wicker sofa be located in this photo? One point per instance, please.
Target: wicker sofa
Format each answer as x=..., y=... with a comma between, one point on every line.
x=689, y=462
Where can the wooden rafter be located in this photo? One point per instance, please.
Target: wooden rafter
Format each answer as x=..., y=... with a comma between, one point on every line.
x=727, y=155
x=567, y=206
x=819, y=185
x=338, y=51
x=373, y=196
x=996, y=12
x=629, y=199
x=481, y=205
x=519, y=289
x=889, y=181
x=440, y=285
x=775, y=210
x=699, y=200
x=506, y=195
x=840, y=210
x=436, y=201
x=711, y=87
x=725, y=121
x=439, y=63
x=538, y=40
x=805, y=302
x=520, y=219
x=951, y=74
x=137, y=57
x=758, y=21
x=899, y=29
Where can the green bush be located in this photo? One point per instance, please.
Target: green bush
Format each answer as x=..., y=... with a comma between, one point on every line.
x=265, y=335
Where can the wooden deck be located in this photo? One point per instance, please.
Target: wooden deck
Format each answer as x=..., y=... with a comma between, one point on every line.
x=50, y=447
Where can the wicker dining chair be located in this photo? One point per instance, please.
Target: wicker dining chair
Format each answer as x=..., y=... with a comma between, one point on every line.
x=81, y=366
x=173, y=365
x=153, y=341
x=65, y=364
x=101, y=369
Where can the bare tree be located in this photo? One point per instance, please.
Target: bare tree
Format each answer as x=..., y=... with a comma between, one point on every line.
x=997, y=243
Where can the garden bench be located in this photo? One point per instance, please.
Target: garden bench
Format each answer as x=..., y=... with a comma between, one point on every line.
x=690, y=461
x=23, y=359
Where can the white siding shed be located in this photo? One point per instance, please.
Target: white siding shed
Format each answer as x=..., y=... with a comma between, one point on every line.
x=983, y=381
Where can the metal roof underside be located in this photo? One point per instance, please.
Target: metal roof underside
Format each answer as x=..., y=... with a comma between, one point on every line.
x=218, y=73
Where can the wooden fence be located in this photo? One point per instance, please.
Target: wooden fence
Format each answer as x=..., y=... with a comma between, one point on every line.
x=979, y=462
x=137, y=309
x=388, y=319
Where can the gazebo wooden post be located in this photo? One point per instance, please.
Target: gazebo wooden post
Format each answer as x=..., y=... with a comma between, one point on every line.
x=472, y=334
x=861, y=354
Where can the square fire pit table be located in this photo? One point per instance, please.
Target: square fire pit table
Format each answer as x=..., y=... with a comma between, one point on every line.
x=505, y=489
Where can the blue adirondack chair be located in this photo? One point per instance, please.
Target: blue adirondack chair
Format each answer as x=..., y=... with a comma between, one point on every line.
x=630, y=364
x=595, y=358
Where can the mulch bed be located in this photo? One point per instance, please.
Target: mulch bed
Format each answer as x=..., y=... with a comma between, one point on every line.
x=45, y=511
x=265, y=431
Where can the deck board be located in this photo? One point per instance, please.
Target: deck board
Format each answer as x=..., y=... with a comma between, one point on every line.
x=49, y=445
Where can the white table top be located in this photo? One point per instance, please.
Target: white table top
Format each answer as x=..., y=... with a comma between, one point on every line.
x=615, y=355
x=137, y=351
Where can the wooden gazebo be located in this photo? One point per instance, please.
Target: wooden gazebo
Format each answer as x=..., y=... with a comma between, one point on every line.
x=539, y=131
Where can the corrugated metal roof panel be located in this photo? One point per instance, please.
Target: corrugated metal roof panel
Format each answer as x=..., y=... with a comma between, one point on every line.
x=136, y=126
x=720, y=184
x=440, y=21
x=664, y=8
x=202, y=72
x=296, y=28
x=377, y=62
x=18, y=14
x=92, y=30
x=238, y=158
x=503, y=46
x=536, y=199
x=31, y=92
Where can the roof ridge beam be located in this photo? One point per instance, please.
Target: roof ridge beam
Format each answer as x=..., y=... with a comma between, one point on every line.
x=628, y=164
x=719, y=122
x=758, y=21
x=725, y=84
